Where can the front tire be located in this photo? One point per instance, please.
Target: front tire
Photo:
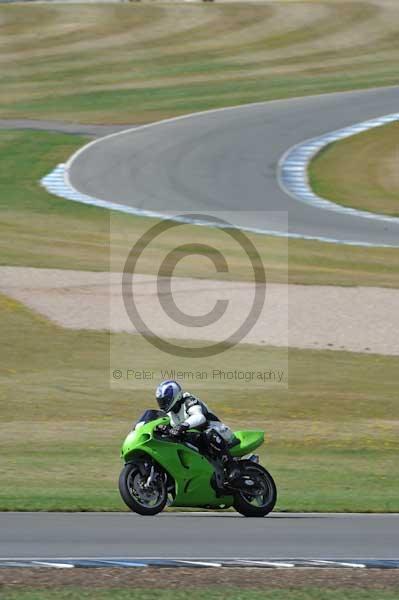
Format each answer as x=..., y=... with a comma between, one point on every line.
x=251, y=505
x=141, y=500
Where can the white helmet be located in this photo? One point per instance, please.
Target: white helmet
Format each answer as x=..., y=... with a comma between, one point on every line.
x=167, y=394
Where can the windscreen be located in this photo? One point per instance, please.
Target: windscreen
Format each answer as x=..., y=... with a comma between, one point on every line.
x=150, y=415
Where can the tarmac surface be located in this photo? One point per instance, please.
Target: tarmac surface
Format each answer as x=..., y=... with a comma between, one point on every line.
x=199, y=535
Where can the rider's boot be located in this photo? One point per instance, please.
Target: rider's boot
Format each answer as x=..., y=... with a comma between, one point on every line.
x=231, y=470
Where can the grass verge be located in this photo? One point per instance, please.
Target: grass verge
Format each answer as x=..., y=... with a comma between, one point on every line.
x=40, y=230
x=216, y=583
x=141, y=62
x=310, y=593
x=328, y=437
x=361, y=171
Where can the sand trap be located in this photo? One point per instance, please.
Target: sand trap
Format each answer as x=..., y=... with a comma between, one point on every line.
x=362, y=319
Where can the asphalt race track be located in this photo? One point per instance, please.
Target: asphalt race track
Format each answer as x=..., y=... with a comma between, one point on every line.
x=198, y=535
x=227, y=160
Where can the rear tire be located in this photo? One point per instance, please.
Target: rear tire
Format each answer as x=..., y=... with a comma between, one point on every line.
x=243, y=503
x=136, y=497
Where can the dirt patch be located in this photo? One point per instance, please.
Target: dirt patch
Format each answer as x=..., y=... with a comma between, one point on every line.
x=62, y=126
x=153, y=578
x=361, y=319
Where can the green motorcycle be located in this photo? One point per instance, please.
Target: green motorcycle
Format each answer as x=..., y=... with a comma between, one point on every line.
x=161, y=471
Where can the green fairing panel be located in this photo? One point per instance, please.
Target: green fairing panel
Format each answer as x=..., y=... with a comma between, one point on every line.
x=249, y=441
x=190, y=470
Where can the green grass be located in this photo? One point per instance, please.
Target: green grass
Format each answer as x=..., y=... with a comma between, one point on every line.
x=40, y=230
x=142, y=62
x=331, y=435
x=361, y=171
x=311, y=593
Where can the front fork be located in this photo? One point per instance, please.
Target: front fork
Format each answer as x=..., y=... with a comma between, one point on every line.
x=148, y=469
x=151, y=477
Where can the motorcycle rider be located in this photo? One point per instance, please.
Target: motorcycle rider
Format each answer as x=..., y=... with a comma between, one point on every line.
x=186, y=411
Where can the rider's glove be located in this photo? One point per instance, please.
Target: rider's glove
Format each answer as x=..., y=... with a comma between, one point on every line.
x=179, y=430
x=163, y=429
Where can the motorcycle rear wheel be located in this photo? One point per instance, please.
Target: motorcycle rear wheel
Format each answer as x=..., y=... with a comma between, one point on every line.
x=250, y=505
x=143, y=501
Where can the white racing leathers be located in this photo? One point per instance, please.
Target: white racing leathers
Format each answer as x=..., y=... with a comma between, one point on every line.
x=195, y=413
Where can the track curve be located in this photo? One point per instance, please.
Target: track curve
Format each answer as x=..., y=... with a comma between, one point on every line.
x=227, y=160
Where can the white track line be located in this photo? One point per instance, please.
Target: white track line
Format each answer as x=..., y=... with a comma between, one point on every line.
x=338, y=563
x=293, y=176
x=271, y=563
x=52, y=564
x=200, y=563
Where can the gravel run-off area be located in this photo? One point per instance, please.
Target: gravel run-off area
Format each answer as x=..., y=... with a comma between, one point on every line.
x=182, y=578
x=357, y=319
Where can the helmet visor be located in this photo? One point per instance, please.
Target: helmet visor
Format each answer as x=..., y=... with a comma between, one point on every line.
x=164, y=403
x=165, y=395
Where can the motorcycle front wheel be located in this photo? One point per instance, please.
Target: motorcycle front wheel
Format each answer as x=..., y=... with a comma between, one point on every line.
x=261, y=496
x=140, y=495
